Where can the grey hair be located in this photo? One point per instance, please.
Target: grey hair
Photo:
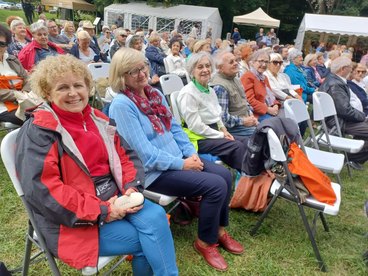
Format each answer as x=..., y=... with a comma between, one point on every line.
x=37, y=26
x=338, y=63
x=294, y=53
x=259, y=53
x=219, y=57
x=15, y=23
x=133, y=39
x=194, y=59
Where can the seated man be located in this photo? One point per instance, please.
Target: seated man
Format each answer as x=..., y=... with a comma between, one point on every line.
x=60, y=40
x=352, y=120
x=236, y=112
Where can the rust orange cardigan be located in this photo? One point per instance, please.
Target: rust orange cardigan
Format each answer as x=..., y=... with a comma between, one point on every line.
x=255, y=91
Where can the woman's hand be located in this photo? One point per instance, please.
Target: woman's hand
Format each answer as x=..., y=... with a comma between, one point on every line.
x=115, y=212
x=273, y=110
x=227, y=135
x=193, y=163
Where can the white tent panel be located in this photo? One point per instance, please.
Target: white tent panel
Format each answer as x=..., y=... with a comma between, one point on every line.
x=257, y=18
x=332, y=24
x=140, y=12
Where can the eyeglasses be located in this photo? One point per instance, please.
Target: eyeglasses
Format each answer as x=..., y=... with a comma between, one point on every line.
x=123, y=35
x=134, y=73
x=275, y=62
x=3, y=44
x=361, y=71
x=263, y=61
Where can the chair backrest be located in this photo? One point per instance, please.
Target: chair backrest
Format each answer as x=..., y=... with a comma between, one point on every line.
x=8, y=155
x=174, y=106
x=276, y=150
x=170, y=83
x=323, y=106
x=99, y=70
x=296, y=110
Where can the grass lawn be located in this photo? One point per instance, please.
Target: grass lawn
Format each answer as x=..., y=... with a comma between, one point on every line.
x=5, y=13
x=280, y=248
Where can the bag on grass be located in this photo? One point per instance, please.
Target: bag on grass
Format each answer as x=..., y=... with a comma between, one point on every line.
x=187, y=210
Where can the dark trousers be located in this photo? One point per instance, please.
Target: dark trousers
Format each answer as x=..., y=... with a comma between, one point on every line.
x=213, y=184
x=230, y=152
x=10, y=117
x=359, y=131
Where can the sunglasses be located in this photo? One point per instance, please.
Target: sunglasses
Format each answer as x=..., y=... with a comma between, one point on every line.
x=275, y=62
x=361, y=71
x=3, y=44
x=123, y=35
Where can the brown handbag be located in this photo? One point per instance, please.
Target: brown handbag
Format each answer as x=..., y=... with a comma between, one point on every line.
x=252, y=192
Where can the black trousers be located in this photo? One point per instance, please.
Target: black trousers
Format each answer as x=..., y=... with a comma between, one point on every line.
x=359, y=131
x=213, y=184
x=230, y=152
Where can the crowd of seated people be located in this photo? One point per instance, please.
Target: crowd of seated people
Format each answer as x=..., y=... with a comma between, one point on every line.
x=227, y=92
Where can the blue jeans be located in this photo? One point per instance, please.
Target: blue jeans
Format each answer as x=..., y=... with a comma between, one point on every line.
x=147, y=236
x=242, y=130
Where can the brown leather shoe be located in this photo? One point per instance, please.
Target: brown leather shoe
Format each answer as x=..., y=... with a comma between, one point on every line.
x=230, y=245
x=211, y=255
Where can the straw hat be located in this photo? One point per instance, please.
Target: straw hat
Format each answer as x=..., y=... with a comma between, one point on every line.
x=88, y=25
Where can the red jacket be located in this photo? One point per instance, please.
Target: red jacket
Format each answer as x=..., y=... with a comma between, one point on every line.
x=27, y=55
x=58, y=186
x=255, y=90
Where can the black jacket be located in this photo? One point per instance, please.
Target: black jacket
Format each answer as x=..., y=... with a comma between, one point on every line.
x=258, y=152
x=340, y=92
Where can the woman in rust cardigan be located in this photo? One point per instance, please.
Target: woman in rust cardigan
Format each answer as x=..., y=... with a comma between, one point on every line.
x=257, y=87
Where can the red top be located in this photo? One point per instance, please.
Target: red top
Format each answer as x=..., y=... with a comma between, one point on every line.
x=86, y=137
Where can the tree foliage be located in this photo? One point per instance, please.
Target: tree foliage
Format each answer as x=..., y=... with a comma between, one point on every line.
x=289, y=12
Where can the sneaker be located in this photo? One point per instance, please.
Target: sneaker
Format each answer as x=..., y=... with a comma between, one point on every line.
x=356, y=166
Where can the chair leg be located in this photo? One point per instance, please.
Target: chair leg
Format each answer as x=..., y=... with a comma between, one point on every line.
x=27, y=252
x=321, y=264
x=338, y=178
x=263, y=216
x=324, y=222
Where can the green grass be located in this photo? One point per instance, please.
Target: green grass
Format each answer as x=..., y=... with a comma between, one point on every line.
x=5, y=13
x=281, y=246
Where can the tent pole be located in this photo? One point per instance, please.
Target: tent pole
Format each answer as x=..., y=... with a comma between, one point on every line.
x=338, y=41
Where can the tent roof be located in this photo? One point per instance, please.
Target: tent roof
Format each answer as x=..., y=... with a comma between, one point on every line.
x=180, y=11
x=336, y=24
x=257, y=17
x=70, y=4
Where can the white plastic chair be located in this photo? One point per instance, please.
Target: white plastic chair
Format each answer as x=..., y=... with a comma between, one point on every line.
x=326, y=161
x=34, y=236
x=323, y=107
x=288, y=191
x=98, y=70
x=170, y=83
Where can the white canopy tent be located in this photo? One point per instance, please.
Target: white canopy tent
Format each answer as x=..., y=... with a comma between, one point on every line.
x=139, y=14
x=331, y=24
x=257, y=18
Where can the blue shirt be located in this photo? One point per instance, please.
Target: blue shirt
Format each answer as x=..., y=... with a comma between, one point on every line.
x=158, y=152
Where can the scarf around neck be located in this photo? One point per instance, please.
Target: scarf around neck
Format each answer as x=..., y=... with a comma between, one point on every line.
x=259, y=76
x=152, y=107
x=200, y=87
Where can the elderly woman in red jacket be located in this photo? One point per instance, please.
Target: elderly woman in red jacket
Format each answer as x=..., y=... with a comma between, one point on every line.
x=39, y=48
x=257, y=87
x=72, y=186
